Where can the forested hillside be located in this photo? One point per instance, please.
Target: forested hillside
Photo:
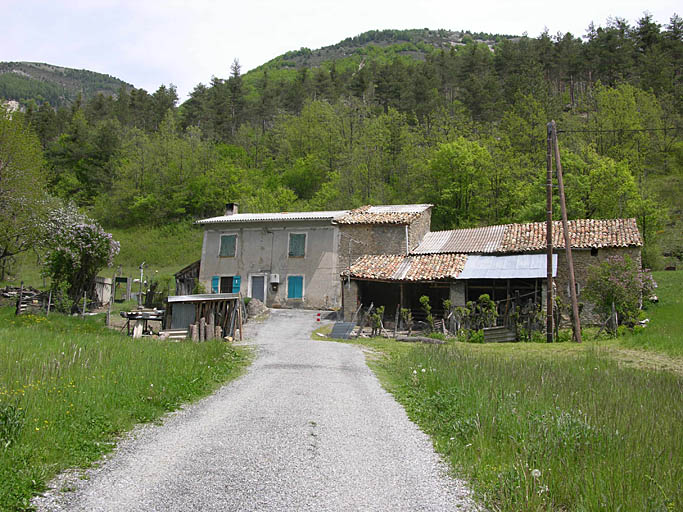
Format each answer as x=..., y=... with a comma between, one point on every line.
x=414, y=116
x=36, y=82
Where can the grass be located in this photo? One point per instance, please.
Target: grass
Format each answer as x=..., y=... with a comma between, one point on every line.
x=562, y=426
x=69, y=387
x=664, y=332
x=601, y=437
x=165, y=250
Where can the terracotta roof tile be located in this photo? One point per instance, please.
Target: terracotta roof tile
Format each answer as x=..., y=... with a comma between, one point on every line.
x=393, y=267
x=389, y=214
x=584, y=234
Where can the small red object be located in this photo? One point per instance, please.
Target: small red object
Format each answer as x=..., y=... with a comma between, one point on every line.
x=317, y=318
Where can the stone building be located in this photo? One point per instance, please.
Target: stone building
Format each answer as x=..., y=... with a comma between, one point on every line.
x=295, y=259
x=502, y=261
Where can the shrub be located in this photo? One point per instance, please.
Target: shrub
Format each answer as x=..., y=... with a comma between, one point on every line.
x=427, y=308
x=621, y=282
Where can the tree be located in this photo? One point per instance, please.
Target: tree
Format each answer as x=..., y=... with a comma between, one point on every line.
x=23, y=197
x=458, y=174
x=78, y=249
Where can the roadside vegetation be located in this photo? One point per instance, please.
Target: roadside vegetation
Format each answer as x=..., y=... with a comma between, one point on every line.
x=69, y=387
x=561, y=426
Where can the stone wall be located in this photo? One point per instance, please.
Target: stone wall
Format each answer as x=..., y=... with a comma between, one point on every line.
x=370, y=239
x=419, y=228
x=349, y=299
x=583, y=260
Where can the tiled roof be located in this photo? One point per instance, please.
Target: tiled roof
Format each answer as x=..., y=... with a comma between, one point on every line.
x=273, y=217
x=483, y=240
x=389, y=214
x=393, y=267
x=585, y=233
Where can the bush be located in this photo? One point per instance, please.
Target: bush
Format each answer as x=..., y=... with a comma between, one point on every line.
x=621, y=282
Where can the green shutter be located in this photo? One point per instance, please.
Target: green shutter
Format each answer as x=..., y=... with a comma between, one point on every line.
x=236, y=280
x=228, y=245
x=297, y=245
x=214, y=284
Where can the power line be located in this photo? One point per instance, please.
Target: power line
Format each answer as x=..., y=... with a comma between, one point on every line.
x=621, y=130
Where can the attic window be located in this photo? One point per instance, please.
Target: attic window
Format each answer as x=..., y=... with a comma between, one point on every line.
x=594, y=251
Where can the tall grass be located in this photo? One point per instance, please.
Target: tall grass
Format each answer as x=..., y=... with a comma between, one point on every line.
x=664, y=333
x=542, y=434
x=69, y=386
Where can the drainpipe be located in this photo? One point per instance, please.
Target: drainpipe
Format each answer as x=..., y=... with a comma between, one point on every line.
x=407, y=246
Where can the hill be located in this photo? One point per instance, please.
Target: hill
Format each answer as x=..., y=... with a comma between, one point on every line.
x=414, y=43
x=59, y=86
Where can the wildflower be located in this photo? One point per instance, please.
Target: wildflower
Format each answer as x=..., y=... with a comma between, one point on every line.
x=414, y=372
x=536, y=473
x=423, y=370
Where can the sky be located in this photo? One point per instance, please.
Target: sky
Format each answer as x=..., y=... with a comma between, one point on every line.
x=152, y=42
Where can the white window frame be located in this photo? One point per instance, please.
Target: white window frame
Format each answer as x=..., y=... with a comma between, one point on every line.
x=265, y=285
x=220, y=242
x=303, y=286
x=289, y=238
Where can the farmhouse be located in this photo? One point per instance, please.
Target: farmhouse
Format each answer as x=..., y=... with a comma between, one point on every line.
x=387, y=255
x=295, y=259
x=506, y=261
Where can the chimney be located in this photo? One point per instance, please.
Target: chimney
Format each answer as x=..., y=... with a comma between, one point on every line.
x=231, y=208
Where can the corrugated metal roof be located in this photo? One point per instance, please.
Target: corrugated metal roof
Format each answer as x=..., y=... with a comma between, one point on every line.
x=513, y=266
x=384, y=214
x=203, y=297
x=273, y=217
x=397, y=267
x=485, y=239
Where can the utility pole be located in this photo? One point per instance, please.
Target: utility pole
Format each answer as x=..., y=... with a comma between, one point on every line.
x=549, y=236
x=567, y=242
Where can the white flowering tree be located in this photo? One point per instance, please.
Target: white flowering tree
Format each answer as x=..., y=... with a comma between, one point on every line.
x=78, y=248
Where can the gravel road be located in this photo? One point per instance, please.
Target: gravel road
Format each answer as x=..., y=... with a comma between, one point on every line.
x=307, y=428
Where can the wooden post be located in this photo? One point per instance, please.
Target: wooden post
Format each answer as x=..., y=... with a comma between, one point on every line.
x=194, y=332
x=210, y=331
x=49, y=303
x=202, y=329
x=239, y=316
x=549, y=236
x=396, y=318
x=576, y=325
x=21, y=298
x=85, y=298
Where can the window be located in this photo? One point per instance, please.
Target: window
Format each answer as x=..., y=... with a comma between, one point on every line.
x=594, y=251
x=228, y=246
x=225, y=284
x=297, y=245
x=295, y=287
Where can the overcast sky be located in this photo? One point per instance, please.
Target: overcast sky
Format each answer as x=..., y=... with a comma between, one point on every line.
x=153, y=42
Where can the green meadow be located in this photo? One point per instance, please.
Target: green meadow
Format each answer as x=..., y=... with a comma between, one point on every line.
x=69, y=387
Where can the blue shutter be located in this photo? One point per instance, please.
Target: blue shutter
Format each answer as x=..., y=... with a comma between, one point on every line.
x=295, y=287
x=236, y=281
x=215, y=280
